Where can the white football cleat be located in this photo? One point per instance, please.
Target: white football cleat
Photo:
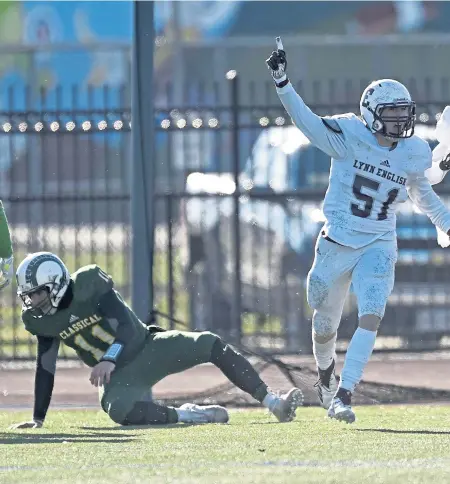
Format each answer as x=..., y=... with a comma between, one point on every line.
x=204, y=413
x=326, y=386
x=341, y=411
x=285, y=405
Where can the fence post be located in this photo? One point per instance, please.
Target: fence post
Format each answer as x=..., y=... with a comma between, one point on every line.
x=236, y=325
x=142, y=178
x=170, y=257
x=142, y=160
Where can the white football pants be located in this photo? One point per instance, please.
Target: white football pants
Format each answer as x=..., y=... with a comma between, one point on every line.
x=371, y=269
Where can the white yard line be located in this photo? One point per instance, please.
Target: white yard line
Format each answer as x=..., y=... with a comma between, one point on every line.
x=344, y=464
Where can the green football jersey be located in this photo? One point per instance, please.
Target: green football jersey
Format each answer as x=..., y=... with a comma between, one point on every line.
x=82, y=325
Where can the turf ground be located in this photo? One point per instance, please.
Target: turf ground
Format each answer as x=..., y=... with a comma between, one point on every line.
x=388, y=444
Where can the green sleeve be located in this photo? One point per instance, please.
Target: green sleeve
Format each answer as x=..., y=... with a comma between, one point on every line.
x=28, y=322
x=40, y=326
x=5, y=236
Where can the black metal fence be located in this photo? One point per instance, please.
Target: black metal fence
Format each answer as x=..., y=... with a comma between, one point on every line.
x=237, y=205
x=240, y=207
x=65, y=186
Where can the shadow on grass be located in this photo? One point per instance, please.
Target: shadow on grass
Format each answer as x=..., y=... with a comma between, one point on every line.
x=14, y=438
x=148, y=427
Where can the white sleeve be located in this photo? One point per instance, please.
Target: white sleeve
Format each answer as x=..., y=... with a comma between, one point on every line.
x=442, y=130
x=442, y=151
x=436, y=174
x=328, y=138
x=423, y=196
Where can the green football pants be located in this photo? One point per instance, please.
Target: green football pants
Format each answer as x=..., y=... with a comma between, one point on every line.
x=164, y=353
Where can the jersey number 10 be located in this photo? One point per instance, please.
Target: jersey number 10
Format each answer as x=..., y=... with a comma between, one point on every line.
x=363, y=182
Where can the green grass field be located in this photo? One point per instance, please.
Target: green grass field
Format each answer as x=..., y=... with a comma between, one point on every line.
x=408, y=444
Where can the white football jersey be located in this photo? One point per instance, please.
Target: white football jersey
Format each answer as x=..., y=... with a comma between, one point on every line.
x=367, y=181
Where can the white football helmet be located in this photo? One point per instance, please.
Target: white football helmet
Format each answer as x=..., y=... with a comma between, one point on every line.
x=38, y=272
x=387, y=93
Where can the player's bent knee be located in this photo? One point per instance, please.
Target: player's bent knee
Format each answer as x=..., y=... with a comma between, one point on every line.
x=209, y=335
x=116, y=413
x=371, y=308
x=370, y=322
x=209, y=338
x=206, y=341
x=317, y=291
x=324, y=326
x=322, y=339
x=222, y=352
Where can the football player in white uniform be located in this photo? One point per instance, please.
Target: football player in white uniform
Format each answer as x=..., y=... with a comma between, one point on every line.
x=376, y=163
x=441, y=162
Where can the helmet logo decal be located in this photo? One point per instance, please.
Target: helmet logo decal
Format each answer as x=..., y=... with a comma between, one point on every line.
x=31, y=271
x=365, y=102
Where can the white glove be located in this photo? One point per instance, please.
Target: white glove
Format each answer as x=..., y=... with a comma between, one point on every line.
x=277, y=63
x=6, y=271
x=32, y=424
x=442, y=238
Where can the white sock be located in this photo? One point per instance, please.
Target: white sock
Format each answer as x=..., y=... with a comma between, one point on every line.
x=358, y=354
x=324, y=353
x=269, y=400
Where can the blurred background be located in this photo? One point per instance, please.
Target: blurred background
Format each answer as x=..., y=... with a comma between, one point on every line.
x=238, y=189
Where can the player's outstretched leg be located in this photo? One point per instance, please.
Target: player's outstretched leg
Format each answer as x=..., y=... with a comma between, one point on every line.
x=150, y=413
x=373, y=281
x=171, y=352
x=240, y=372
x=327, y=286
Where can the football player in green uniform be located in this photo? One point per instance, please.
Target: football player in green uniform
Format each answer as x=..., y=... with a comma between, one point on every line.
x=85, y=312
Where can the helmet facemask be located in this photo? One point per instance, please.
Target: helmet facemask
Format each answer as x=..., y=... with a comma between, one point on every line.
x=38, y=301
x=395, y=126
